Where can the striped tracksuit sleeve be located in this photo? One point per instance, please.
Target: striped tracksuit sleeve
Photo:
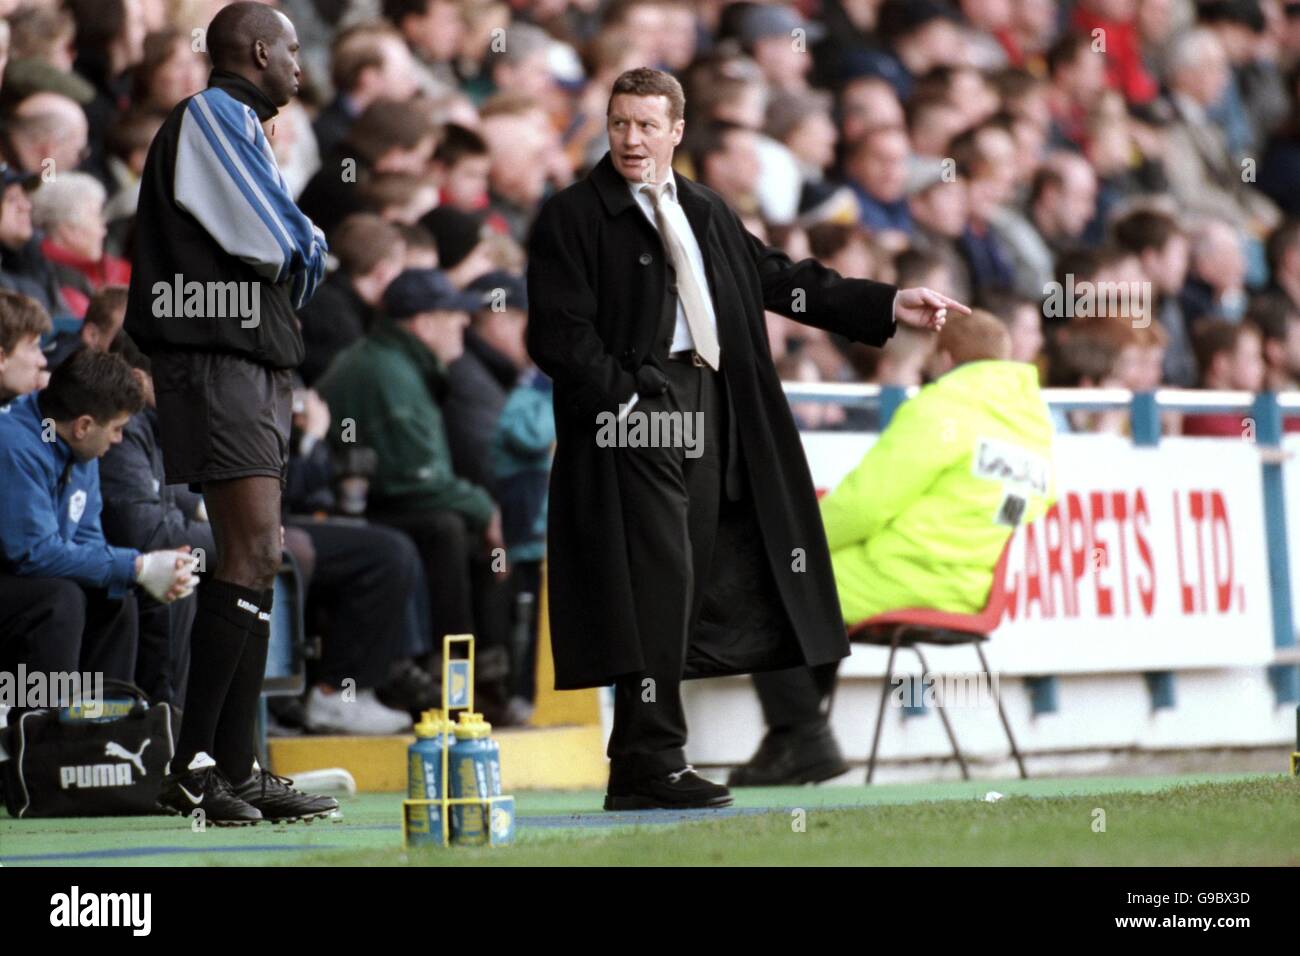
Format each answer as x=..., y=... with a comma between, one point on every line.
x=227, y=178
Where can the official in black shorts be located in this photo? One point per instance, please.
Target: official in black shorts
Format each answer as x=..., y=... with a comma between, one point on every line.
x=221, y=417
x=223, y=258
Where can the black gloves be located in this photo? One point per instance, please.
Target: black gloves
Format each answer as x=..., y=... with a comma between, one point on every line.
x=650, y=381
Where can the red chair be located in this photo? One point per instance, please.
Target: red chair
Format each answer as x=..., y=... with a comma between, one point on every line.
x=910, y=627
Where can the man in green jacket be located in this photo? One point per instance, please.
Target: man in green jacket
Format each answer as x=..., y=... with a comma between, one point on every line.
x=384, y=393
x=921, y=522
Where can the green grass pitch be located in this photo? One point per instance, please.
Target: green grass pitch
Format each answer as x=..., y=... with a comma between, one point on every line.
x=1222, y=820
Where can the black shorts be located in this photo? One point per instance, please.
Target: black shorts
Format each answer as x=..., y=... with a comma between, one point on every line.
x=221, y=416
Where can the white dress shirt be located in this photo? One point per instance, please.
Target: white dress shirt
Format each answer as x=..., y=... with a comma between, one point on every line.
x=677, y=217
x=673, y=210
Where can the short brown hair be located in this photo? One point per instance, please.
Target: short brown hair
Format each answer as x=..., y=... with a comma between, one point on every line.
x=159, y=47
x=912, y=267
x=1066, y=51
x=976, y=337
x=1145, y=229
x=1122, y=333
x=358, y=49
x=388, y=123
x=459, y=143
x=1079, y=353
x=104, y=304
x=362, y=241
x=1272, y=313
x=643, y=81
x=132, y=131
x=1014, y=85
x=508, y=103
x=36, y=31
x=828, y=239
x=1213, y=337
x=21, y=317
x=98, y=384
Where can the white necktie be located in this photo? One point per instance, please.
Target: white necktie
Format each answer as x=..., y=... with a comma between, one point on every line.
x=693, y=301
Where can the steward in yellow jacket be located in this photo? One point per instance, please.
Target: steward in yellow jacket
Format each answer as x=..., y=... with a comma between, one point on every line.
x=920, y=522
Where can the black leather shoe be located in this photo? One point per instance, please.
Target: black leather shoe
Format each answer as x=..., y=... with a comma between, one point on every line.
x=792, y=757
x=279, y=802
x=201, y=786
x=682, y=790
x=409, y=687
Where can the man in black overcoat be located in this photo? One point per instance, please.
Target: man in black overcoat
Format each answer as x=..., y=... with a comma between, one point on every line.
x=695, y=550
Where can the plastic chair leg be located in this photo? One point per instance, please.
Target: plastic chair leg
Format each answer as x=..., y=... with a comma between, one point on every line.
x=943, y=715
x=1006, y=725
x=884, y=696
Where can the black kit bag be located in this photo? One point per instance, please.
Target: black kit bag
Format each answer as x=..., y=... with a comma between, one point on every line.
x=63, y=764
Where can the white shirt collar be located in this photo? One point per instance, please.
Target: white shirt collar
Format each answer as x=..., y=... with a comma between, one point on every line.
x=672, y=187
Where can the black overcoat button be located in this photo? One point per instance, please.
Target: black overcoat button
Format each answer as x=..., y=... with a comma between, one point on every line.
x=646, y=259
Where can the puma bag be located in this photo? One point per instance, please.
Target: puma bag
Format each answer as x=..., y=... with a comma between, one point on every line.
x=75, y=762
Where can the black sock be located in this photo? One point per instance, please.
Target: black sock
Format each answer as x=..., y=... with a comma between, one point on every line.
x=217, y=642
x=235, y=743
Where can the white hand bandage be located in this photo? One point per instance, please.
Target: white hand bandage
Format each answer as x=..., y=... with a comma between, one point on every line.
x=158, y=572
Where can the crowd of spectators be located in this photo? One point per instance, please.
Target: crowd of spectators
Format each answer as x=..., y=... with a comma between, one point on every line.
x=1115, y=180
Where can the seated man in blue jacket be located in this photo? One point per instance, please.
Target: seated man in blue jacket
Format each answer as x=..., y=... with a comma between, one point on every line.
x=66, y=600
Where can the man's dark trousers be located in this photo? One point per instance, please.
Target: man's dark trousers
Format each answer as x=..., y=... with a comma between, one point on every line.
x=363, y=575
x=670, y=518
x=465, y=596
x=796, y=697
x=55, y=624
x=162, y=665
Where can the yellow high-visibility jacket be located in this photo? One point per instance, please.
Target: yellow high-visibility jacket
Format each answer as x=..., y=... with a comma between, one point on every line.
x=922, y=520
